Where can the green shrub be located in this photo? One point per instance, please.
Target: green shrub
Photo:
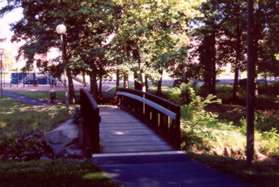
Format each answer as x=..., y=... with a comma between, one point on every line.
x=205, y=132
x=267, y=120
x=173, y=94
x=224, y=91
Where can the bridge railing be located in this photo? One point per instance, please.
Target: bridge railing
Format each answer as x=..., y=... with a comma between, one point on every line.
x=160, y=114
x=90, y=139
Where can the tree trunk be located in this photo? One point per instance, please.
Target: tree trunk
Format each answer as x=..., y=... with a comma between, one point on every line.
x=71, y=90
x=93, y=81
x=235, y=83
x=238, y=55
x=70, y=87
x=213, y=64
x=83, y=79
x=135, y=78
x=250, y=96
x=265, y=80
x=100, y=84
x=159, y=86
x=146, y=83
x=208, y=61
x=126, y=81
x=117, y=78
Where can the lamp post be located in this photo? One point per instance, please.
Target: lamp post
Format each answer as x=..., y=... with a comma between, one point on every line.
x=1, y=72
x=61, y=29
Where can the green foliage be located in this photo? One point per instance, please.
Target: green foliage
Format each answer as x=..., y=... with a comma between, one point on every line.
x=52, y=173
x=224, y=91
x=174, y=94
x=88, y=25
x=197, y=103
x=267, y=120
x=152, y=35
x=270, y=142
x=204, y=132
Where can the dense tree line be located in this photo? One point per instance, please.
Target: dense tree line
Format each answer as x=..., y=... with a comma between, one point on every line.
x=189, y=39
x=221, y=34
x=148, y=36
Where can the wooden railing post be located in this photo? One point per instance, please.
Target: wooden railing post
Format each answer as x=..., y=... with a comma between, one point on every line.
x=90, y=123
x=177, y=129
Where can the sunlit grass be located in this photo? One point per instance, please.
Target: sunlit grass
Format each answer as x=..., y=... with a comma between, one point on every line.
x=17, y=119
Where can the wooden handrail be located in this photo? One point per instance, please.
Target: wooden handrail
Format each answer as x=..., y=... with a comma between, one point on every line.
x=160, y=114
x=90, y=123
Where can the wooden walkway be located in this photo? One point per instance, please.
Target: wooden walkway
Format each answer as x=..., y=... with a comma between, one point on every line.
x=122, y=133
x=134, y=156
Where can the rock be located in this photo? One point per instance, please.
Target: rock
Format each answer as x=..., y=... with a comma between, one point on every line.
x=74, y=153
x=61, y=142
x=218, y=151
x=227, y=152
x=77, y=115
x=64, y=134
x=259, y=156
x=64, y=140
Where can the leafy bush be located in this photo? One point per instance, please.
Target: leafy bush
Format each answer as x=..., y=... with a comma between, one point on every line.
x=224, y=91
x=267, y=120
x=204, y=132
x=173, y=94
x=270, y=141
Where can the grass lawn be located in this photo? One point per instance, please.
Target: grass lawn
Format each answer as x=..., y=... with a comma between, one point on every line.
x=51, y=173
x=43, y=95
x=18, y=119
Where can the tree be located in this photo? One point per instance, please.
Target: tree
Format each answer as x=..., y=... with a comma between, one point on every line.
x=250, y=84
x=210, y=20
x=231, y=47
x=88, y=24
x=153, y=35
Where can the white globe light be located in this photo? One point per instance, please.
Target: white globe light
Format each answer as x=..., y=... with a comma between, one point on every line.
x=61, y=29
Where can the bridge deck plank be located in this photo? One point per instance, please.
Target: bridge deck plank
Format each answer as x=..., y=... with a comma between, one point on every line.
x=120, y=132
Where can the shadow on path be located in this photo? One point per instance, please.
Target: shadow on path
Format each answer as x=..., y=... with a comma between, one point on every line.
x=24, y=99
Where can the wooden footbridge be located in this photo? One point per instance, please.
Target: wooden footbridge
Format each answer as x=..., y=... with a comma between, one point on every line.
x=141, y=122
x=136, y=143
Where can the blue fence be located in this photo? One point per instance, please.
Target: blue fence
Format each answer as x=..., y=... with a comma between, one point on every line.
x=32, y=78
